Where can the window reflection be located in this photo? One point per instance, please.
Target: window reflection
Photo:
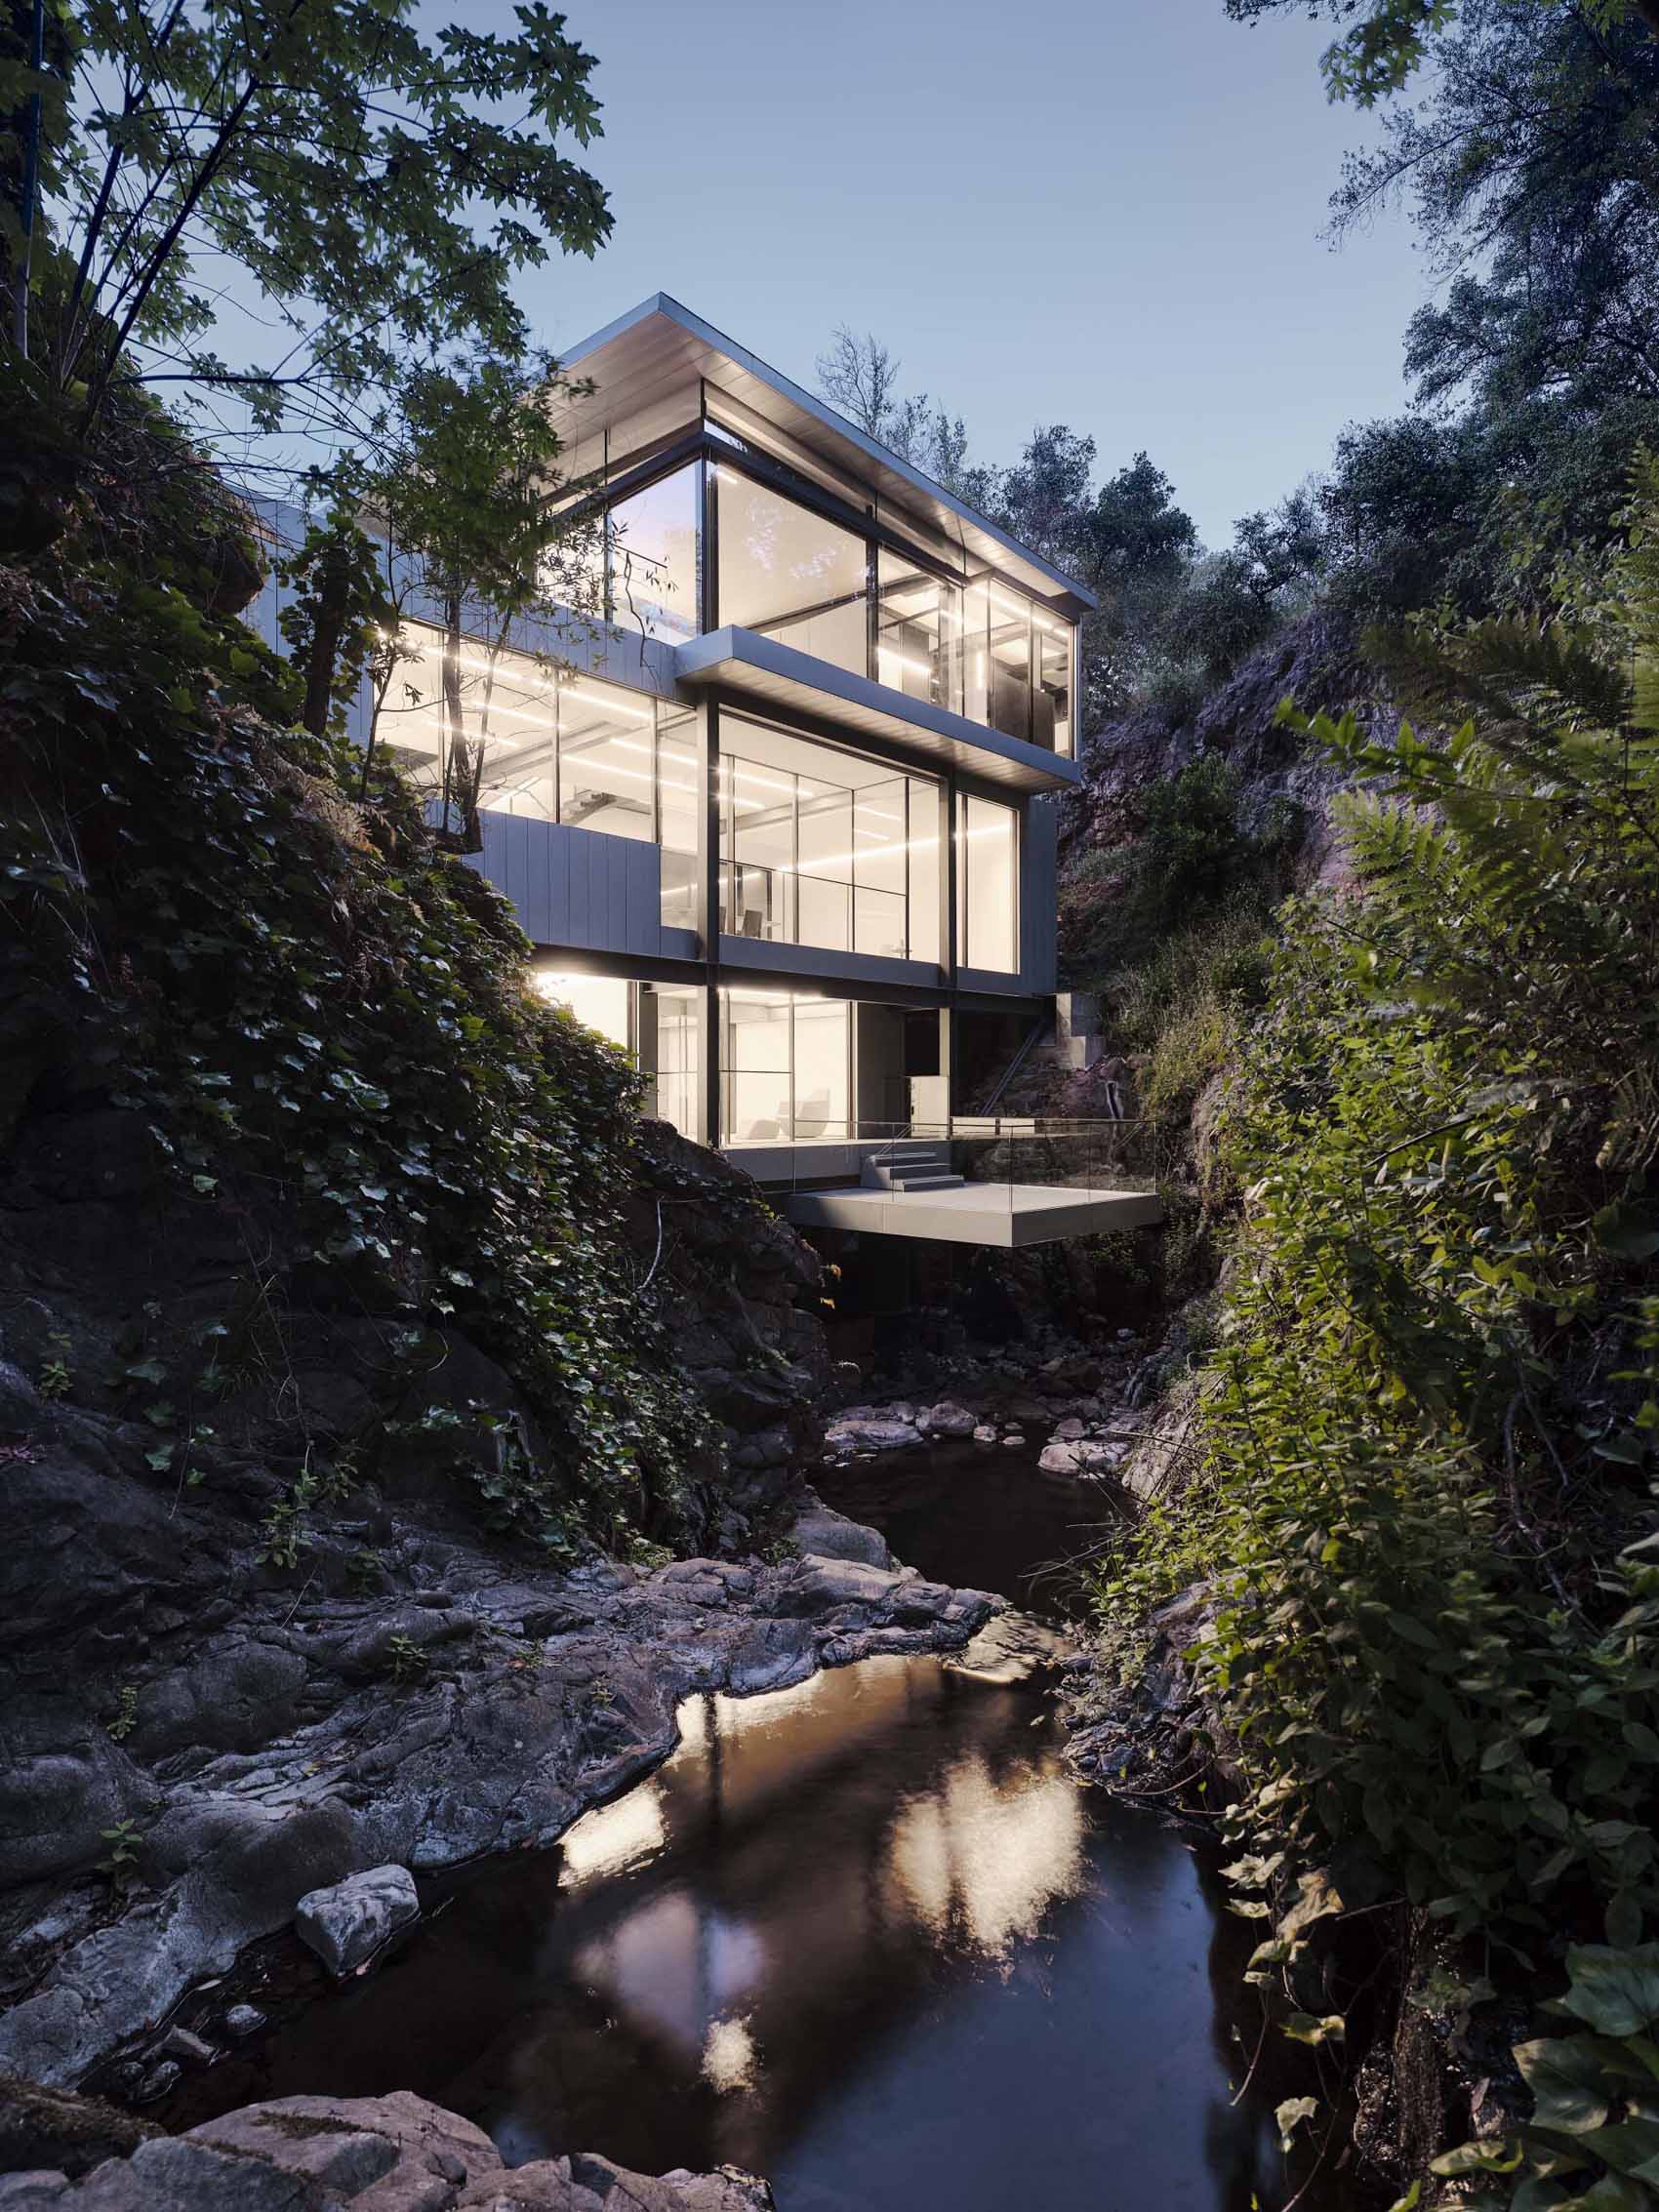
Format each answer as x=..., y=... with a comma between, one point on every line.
x=786, y=573
x=919, y=646
x=652, y=542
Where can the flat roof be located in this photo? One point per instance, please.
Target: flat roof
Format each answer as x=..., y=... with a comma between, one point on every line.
x=635, y=362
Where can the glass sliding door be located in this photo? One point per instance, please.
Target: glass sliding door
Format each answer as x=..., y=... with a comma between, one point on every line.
x=785, y=1068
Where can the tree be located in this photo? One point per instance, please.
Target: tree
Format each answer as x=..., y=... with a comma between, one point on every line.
x=1391, y=38
x=470, y=501
x=326, y=152
x=859, y=375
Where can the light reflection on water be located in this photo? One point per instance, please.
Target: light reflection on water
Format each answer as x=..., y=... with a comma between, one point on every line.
x=866, y=1937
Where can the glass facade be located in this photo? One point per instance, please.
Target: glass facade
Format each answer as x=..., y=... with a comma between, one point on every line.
x=988, y=885
x=559, y=748
x=652, y=575
x=786, y=573
x=786, y=1066
x=822, y=847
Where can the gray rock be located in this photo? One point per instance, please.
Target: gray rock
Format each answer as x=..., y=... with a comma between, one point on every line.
x=233, y=1701
x=946, y=1419
x=348, y=1922
x=870, y=1434
x=396, y=2153
x=62, y=1783
x=829, y=1535
x=243, y=2021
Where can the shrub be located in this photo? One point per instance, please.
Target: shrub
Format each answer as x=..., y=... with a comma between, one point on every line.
x=1424, y=1497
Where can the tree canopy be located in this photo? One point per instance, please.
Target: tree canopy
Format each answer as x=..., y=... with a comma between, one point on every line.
x=356, y=190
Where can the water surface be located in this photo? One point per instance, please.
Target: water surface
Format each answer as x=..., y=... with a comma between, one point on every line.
x=866, y=1935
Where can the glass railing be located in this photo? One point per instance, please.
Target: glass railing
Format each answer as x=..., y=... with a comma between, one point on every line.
x=1013, y=1161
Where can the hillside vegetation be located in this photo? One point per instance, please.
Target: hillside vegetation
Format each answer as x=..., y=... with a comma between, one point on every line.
x=324, y=1024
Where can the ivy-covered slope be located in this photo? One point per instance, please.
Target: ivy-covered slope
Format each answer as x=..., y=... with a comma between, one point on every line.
x=322, y=1024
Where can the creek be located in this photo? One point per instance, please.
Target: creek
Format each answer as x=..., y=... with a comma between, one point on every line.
x=866, y=1935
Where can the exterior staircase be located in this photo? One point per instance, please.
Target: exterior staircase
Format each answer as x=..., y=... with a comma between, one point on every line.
x=911, y=1171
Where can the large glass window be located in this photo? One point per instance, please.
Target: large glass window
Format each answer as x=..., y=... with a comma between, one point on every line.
x=918, y=644
x=786, y=1066
x=603, y=1002
x=822, y=847
x=1052, y=703
x=676, y=787
x=988, y=882
x=652, y=542
x=607, y=778
x=507, y=702
x=787, y=573
x=559, y=747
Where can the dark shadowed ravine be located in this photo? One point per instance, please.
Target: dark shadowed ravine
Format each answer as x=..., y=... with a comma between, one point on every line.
x=866, y=1935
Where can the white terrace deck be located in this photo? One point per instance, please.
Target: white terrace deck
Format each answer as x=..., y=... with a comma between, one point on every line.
x=1006, y=1214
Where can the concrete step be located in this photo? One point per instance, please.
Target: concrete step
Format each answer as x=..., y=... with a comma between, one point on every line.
x=943, y=1180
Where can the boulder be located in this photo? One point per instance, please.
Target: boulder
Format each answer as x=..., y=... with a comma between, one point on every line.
x=348, y=1922
x=394, y=2153
x=825, y=1534
x=946, y=1419
x=1079, y=1458
x=870, y=1432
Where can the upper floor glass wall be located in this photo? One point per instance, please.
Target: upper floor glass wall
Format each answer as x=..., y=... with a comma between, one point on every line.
x=822, y=847
x=789, y=574
x=651, y=540
x=975, y=647
x=557, y=747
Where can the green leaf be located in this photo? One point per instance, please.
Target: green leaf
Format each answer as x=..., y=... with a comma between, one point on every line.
x=1615, y=1992
x=1501, y=2155
x=1567, y=2081
x=1306, y=2027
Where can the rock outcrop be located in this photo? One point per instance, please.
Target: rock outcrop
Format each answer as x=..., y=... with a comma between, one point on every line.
x=396, y=2153
x=473, y=1702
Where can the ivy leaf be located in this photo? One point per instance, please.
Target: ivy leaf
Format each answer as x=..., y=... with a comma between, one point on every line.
x=1615, y=1992
x=1306, y=2027
x=1500, y=2155
x=1567, y=2081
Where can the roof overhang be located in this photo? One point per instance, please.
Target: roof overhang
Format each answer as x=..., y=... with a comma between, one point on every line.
x=796, y=685
x=639, y=360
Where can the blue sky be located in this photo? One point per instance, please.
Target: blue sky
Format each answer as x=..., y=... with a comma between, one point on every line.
x=1105, y=213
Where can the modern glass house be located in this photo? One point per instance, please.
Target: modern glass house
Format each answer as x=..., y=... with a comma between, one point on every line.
x=781, y=821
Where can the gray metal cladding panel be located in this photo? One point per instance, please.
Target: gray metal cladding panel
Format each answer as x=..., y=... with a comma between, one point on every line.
x=578, y=887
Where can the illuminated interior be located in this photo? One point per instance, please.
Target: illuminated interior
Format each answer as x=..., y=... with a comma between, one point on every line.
x=822, y=847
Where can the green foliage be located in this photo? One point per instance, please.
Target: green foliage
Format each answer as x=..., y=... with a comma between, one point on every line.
x=405, y=1659
x=378, y=184
x=1428, y=1465
x=119, y=1864
x=124, y=1718
x=1593, y=2139
x=335, y=616
x=324, y=1017
x=1173, y=926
